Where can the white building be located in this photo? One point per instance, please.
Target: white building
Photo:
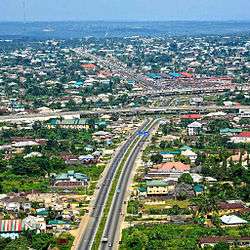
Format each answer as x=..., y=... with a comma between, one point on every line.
x=194, y=128
x=190, y=154
x=243, y=137
x=232, y=220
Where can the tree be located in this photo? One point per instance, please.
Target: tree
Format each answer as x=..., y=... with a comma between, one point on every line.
x=42, y=241
x=71, y=105
x=137, y=240
x=156, y=158
x=37, y=125
x=115, y=117
x=162, y=145
x=216, y=125
x=182, y=158
x=186, y=178
x=4, y=242
x=1, y=188
x=201, y=157
x=18, y=244
x=205, y=203
x=221, y=246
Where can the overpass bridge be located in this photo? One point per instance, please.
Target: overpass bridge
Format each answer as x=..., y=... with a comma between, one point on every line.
x=123, y=112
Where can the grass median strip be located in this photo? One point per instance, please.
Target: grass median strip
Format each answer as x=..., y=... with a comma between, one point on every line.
x=110, y=198
x=108, y=204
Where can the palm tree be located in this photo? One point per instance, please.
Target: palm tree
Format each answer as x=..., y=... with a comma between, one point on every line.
x=205, y=203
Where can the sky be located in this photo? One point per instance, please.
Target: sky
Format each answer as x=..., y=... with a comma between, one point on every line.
x=125, y=10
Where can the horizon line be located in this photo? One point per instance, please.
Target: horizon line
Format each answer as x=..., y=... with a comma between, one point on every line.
x=122, y=20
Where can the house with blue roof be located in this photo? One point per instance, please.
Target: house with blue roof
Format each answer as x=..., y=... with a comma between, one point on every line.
x=79, y=84
x=154, y=76
x=174, y=74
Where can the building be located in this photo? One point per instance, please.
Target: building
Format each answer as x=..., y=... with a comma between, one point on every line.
x=240, y=157
x=232, y=220
x=194, y=128
x=244, y=113
x=102, y=135
x=230, y=131
x=190, y=154
x=15, y=204
x=68, y=123
x=196, y=101
x=70, y=180
x=169, y=169
x=82, y=159
x=169, y=155
x=191, y=116
x=58, y=225
x=243, y=137
x=88, y=66
x=198, y=188
x=159, y=187
x=34, y=223
x=232, y=241
x=230, y=207
x=11, y=226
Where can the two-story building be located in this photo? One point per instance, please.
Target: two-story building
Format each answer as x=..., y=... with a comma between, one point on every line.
x=194, y=128
x=159, y=187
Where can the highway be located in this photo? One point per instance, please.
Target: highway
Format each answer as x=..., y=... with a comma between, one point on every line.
x=122, y=111
x=112, y=227
x=100, y=199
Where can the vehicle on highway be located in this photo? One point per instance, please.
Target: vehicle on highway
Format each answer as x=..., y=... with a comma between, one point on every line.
x=105, y=239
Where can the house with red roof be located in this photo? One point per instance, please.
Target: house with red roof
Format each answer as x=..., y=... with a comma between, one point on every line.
x=88, y=66
x=243, y=137
x=168, y=169
x=191, y=116
x=186, y=74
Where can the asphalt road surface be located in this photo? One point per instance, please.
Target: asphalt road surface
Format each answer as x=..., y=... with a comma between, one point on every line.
x=111, y=228
x=95, y=216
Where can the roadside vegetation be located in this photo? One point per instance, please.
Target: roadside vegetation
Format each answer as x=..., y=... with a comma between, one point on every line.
x=171, y=236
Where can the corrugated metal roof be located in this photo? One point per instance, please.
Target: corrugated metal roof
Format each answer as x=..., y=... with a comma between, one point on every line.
x=11, y=226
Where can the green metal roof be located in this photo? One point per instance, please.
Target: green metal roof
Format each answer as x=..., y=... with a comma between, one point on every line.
x=66, y=176
x=67, y=122
x=57, y=222
x=43, y=212
x=142, y=189
x=183, y=148
x=53, y=121
x=198, y=188
x=230, y=130
x=158, y=183
x=177, y=152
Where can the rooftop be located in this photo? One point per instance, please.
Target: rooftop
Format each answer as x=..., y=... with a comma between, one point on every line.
x=173, y=166
x=232, y=219
x=191, y=116
x=158, y=183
